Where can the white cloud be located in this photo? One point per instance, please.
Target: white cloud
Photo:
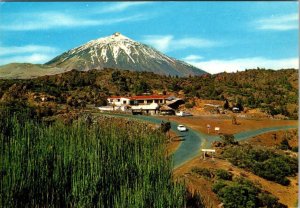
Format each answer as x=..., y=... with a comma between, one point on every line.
x=50, y=20
x=192, y=58
x=220, y=65
x=35, y=58
x=193, y=42
x=279, y=23
x=25, y=49
x=159, y=42
x=118, y=7
x=167, y=43
x=28, y=53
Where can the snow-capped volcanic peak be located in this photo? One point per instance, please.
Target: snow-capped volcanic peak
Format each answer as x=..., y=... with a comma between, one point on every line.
x=119, y=51
x=114, y=38
x=111, y=45
x=115, y=45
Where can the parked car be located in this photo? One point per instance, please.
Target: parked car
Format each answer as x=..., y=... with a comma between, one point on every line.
x=182, y=113
x=235, y=110
x=181, y=128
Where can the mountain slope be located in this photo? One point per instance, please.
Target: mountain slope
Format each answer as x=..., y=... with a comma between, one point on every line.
x=119, y=51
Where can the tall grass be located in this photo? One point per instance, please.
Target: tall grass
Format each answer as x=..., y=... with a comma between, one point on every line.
x=102, y=165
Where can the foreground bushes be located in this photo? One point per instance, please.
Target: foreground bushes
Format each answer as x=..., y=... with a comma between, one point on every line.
x=79, y=166
x=210, y=173
x=236, y=191
x=264, y=163
x=243, y=193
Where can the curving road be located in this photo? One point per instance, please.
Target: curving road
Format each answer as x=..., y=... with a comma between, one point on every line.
x=193, y=140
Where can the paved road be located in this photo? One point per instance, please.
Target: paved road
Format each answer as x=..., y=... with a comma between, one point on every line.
x=193, y=140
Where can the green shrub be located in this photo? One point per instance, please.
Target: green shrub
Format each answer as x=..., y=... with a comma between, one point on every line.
x=203, y=172
x=194, y=200
x=237, y=195
x=284, y=145
x=217, y=186
x=267, y=200
x=243, y=193
x=265, y=163
x=189, y=105
x=295, y=149
x=223, y=174
x=228, y=139
x=275, y=169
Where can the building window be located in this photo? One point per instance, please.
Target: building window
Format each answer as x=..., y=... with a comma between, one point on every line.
x=124, y=101
x=149, y=101
x=118, y=100
x=111, y=100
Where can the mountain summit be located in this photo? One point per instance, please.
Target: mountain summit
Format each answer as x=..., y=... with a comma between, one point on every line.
x=120, y=52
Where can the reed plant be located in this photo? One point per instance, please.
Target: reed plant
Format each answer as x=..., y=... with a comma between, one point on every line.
x=105, y=164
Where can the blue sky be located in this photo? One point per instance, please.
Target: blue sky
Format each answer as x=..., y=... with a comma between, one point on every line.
x=214, y=36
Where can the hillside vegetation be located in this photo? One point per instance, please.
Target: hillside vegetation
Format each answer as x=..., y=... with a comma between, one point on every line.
x=275, y=92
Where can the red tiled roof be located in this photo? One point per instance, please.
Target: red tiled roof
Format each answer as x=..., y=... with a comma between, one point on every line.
x=140, y=97
x=117, y=97
x=145, y=97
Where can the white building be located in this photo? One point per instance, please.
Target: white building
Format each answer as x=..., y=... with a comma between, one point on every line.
x=118, y=100
x=137, y=100
x=148, y=104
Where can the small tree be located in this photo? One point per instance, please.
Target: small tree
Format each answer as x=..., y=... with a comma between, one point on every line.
x=234, y=121
x=115, y=76
x=88, y=120
x=239, y=104
x=190, y=105
x=228, y=139
x=141, y=87
x=284, y=145
x=165, y=127
x=226, y=104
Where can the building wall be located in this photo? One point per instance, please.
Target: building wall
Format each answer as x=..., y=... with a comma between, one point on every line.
x=148, y=101
x=125, y=101
x=119, y=101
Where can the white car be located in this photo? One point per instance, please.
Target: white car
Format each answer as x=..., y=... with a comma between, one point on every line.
x=182, y=113
x=181, y=128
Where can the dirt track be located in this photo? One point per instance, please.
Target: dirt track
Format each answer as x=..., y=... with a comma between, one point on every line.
x=200, y=123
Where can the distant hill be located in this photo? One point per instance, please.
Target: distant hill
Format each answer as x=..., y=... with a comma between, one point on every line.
x=120, y=52
x=27, y=71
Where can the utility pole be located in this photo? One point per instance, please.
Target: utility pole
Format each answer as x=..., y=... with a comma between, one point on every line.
x=208, y=127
